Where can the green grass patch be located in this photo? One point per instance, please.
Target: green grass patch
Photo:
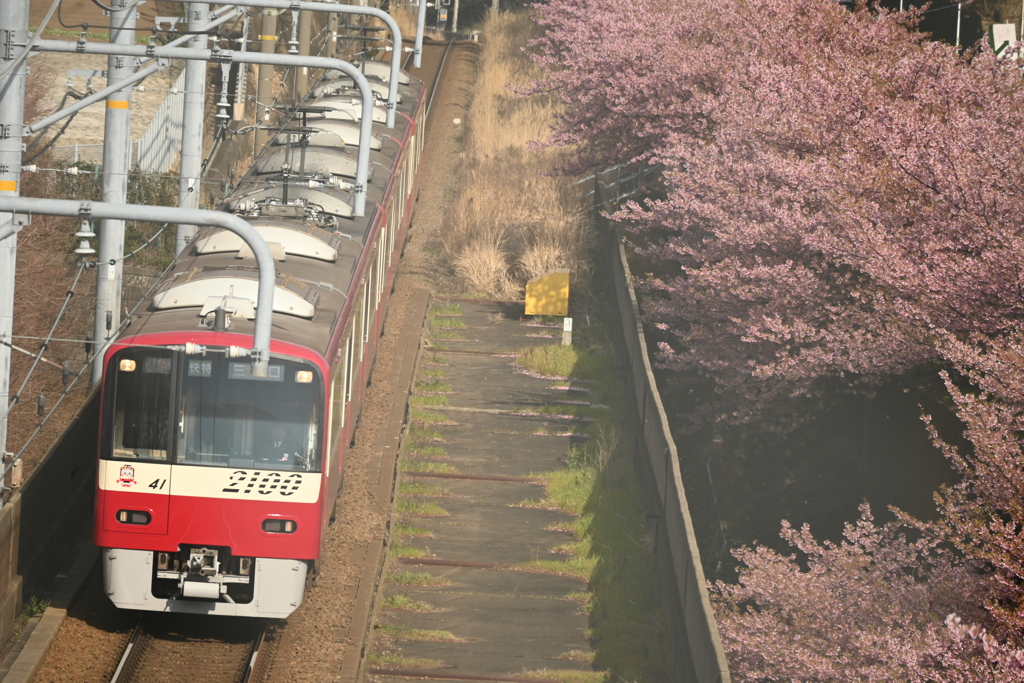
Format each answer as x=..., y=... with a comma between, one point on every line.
x=446, y=324
x=427, y=451
x=431, y=374
x=414, y=489
x=555, y=360
x=420, y=435
x=447, y=309
x=393, y=661
x=445, y=335
x=407, y=604
x=416, y=634
x=577, y=656
x=428, y=466
x=404, y=506
x=577, y=567
x=433, y=386
x=584, y=598
x=403, y=530
x=570, y=489
x=429, y=417
x=407, y=551
x=430, y=400
x=417, y=579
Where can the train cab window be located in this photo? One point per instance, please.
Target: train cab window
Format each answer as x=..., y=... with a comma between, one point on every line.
x=167, y=407
x=228, y=418
x=139, y=391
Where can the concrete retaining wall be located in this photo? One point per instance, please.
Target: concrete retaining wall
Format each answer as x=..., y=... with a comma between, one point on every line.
x=43, y=521
x=696, y=647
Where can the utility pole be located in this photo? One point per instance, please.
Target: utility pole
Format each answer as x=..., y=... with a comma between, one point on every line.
x=494, y=6
x=265, y=77
x=13, y=34
x=455, y=18
x=116, y=164
x=192, y=124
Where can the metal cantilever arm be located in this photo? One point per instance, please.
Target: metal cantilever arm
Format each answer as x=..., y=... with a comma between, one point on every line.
x=365, y=127
x=165, y=214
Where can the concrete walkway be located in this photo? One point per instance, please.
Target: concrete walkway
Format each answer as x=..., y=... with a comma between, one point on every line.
x=498, y=622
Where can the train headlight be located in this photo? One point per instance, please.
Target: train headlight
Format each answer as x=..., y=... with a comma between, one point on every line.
x=127, y=365
x=303, y=376
x=133, y=517
x=279, y=526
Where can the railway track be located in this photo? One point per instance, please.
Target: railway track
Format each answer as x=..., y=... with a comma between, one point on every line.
x=173, y=647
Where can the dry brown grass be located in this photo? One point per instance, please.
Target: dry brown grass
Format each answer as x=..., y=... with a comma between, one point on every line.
x=514, y=218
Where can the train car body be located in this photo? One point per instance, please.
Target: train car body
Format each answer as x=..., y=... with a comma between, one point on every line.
x=215, y=487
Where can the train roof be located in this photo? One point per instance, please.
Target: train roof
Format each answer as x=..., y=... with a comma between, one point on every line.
x=295, y=198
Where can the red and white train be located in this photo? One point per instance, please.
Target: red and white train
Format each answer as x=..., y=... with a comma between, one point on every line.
x=215, y=487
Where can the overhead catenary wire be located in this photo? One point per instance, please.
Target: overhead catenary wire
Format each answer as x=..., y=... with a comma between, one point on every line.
x=46, y=342
x=78, y=375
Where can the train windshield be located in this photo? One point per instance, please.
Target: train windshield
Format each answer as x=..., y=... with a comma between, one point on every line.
x=164, y=406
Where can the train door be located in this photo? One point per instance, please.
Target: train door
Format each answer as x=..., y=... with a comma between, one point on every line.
x=135, y=468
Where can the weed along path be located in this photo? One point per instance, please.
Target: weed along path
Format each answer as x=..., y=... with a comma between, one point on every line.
x=492, y=572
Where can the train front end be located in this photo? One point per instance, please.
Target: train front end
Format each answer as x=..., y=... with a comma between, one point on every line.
x=210, y=483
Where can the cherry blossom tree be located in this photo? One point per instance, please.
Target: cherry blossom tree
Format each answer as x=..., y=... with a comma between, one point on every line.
x=871, y=608
x=841, y=201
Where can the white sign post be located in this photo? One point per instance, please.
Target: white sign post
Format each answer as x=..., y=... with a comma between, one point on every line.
x=567, y=332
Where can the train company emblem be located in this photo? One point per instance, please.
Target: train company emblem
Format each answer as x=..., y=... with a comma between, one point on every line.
x=127, y=476
x=263, y=483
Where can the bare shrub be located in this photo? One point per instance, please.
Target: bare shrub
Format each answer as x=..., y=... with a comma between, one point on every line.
x=513, y=203
x=483, y=266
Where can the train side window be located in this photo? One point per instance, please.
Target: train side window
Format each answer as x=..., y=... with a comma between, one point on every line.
x=381, y=273
x=350, y=360
x=371, y=285
x=339, y=396
x=367, y=314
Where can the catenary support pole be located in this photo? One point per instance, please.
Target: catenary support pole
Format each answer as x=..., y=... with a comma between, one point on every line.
x=265, y=76
x=14, y=33
x=260, y=353
x=421, y=20
x=192, y=124
x=365, y=94
x=116, y=164
x=302, y=73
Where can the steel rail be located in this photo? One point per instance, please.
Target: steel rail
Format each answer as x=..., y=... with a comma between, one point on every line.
x=130, y=656
x=257, y=659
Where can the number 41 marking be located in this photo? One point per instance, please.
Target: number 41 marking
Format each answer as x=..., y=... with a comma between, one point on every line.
x=157, y=483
